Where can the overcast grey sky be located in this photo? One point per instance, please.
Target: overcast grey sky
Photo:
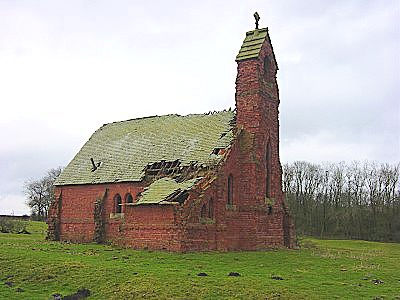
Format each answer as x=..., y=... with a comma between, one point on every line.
x=67, y=67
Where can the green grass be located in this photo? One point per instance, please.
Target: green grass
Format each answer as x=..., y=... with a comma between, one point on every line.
x=322, y=269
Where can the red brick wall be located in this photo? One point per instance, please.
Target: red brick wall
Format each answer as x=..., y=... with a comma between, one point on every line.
x=151, y=227
x=244, y=225
x=143, y=226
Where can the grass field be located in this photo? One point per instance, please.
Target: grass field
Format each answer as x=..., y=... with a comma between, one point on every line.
x=32, y=268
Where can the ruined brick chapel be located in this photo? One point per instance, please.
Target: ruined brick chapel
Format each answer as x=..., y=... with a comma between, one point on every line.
x=184, y=183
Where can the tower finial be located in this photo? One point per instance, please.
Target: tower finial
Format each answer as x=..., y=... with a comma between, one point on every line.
x=257, y=17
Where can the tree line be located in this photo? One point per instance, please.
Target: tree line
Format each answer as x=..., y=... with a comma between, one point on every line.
x=359, y=200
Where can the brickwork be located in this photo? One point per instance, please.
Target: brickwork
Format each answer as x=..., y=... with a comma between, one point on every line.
x=256, y=218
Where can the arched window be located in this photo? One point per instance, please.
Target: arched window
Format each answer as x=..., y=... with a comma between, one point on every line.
x=117, y=204
x=230, y=189
x=268, y=170
x=211, y=208
x=203, y=212
x=267, y=64
x=128, y=198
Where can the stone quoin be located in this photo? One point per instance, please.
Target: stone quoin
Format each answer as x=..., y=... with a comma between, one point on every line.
x=185, y=183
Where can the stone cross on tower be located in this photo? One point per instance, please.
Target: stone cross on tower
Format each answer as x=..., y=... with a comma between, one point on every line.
x=257, y=17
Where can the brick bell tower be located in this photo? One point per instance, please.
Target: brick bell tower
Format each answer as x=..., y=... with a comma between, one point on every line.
x=257, y=119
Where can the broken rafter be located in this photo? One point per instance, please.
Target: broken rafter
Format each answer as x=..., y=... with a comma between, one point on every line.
x=163, y=168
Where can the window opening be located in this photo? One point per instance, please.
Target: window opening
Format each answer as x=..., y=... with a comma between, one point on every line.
x=230, y=189
x=203, y=211
x=128, y=198
x=267, y=64
x=268, y=170
x=117, y=204
x=211, y=209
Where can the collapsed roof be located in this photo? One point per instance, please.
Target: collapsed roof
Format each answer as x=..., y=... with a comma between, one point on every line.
x=166, y=190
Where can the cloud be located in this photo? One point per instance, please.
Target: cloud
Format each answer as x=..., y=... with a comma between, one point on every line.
x=330, y=146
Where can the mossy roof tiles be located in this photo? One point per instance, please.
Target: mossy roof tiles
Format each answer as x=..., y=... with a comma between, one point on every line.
x=160, y=189
x=252, y=44
x=125, y=148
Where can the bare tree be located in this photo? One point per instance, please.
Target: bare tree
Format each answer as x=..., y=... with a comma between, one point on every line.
x=358, y=200
x=40, y=193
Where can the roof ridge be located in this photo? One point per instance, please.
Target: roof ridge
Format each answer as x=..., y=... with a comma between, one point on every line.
x=252, y=44
x=171, y=115
x=265, y=29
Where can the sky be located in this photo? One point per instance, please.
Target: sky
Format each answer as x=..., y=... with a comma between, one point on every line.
x=67, y=67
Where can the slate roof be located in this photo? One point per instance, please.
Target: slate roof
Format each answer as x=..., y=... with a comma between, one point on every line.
x=124, y=149
x=252, y=44
x=162, y=189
